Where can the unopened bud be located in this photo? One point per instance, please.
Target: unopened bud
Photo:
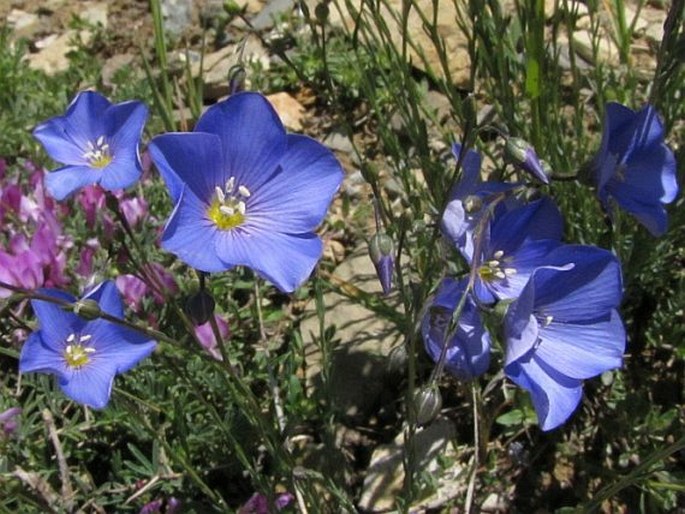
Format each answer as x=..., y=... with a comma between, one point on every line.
x=200, y=307
x=472, y=203
x=321, y=11
x=523, y=155
x=428, y=402
x=381, y=250
x=88, y=309
x=397, y=360
x=236, y=79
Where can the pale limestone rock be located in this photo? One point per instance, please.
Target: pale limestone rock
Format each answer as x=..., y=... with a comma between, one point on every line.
x=385, y=474
x=289, y=110
x=22, y=23
x=448, y=29
x=52, y=57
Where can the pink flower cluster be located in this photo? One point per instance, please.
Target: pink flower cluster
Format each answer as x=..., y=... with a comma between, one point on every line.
x=33, y=246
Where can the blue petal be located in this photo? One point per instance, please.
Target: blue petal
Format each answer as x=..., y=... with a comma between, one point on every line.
x=537, y=220
x=36, y=355
x=191, y=235
x=583, y=350
x=107, y=296
x=588, y=291
x=646, y=131
x=90, y=385
x=65, y=181
x=470, y=169
x=253, y=139
x=520, y=325
x=286, y=260
x=193, y=159
x=554, y=395
x=56, y=324
x=296, y=199
x=468, y=352
x=118, y=345
x=124, y=125
x=65, y=137
x=120, y=173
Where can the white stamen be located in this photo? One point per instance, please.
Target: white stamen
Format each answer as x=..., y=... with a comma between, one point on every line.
x=498, y=254
x=230, y=184
x=244, y=191
x=100, y=140
x=510, y=271
x=220, y=194
x=228, y=211
x=241, y=208
x=85, y=338
x=70, y=339
x=548, y=320
x=500, y=274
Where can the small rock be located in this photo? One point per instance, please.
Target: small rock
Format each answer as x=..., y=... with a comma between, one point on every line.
x=112, y=65
x=178, y=16
x=607, y=52
x=265, y=19
x=52, y=58
x=23, y=24
x=385, y=475
x=289, y=110
x=338, y=141
x=94, y=13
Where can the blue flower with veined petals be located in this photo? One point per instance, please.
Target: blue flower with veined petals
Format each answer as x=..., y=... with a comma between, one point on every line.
x=515, y=243
x=565, y=328
x=83, y=355
x=246, y=192
x=97, y=142
x=635, y=167
x=468, y=351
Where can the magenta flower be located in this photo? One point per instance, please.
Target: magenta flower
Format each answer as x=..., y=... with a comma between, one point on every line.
x=97, y=142
x=259, y=504
x=205, y=335
x=9, y=421
x=83, y=355
x=245, y=192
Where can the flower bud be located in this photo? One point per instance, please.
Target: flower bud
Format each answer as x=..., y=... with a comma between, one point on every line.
x=88, y=309
x=428, y=402
x=8, y=421
x=236, y=79
x=321, y=11
x=381, y=250
x=200, y=307
x=523, y=155
x=397, y=360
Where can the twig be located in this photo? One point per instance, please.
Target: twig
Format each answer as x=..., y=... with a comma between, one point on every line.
x=67, y=491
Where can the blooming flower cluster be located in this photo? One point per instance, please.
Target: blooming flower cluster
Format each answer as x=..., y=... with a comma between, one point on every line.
x=562, y=325
x=244, y=192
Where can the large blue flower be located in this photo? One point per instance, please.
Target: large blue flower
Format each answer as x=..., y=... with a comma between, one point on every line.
x=245, y=192
x=565, y=328
x=96, y=141
x=83, y=355
x=515, y=243
x=468, y=351
x=634, y=166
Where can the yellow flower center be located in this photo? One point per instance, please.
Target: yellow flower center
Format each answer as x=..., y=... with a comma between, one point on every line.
x=77, y=354
x=495, y=269
x=229, y=205
x=98, y=154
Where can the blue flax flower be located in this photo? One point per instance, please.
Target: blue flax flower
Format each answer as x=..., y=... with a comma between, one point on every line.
x=83, y=355
x=634, y=166
x=467, y=201
x=515, y=243
x=565, y=328
x=96, y=141
x=468, y=352
x=245, y=192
